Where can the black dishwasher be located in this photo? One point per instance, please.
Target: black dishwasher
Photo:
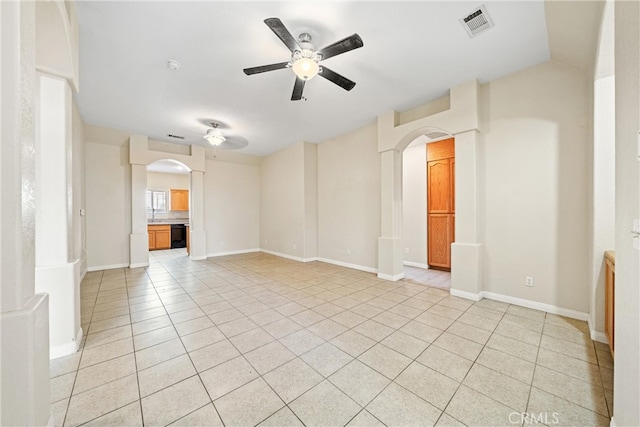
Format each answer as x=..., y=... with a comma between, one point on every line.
x=178, y=236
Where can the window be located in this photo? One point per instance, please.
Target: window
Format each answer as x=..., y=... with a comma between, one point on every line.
x=156, y=202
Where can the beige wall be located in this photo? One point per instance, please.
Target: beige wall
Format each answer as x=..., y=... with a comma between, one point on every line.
x=78, y=190
x=349, y=198
x=627, y=316
x=231, y=207
x=535, y=170
x=282, y=202
x=108, y=218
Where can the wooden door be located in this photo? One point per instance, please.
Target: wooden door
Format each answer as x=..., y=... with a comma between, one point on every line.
x=440, y=203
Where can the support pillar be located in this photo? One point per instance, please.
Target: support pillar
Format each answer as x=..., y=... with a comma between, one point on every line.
x=390, y=256
x=466, y=252
x=24, y=314
x=197, y=234
x=57, y=272
x=139, y=237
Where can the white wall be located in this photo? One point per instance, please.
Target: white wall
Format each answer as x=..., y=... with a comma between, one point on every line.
x=349, y=198
x=534, y=210
x=414, y=205
x=231, y=207
x=108, y=215
x=78, y=189
x=627, y=316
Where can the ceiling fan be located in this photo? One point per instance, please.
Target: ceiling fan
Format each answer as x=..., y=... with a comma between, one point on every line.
x=305, y=58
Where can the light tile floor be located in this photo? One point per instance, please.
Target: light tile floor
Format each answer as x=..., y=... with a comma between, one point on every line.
x=256, y=339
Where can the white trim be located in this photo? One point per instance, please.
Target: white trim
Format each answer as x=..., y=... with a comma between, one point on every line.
x=466, y=295
x=139, y=265
x=612, y=423
x=243, y=251
x=107, y=267
x=595, y=335
x=553, y=309
x=66, y=349
x=348, y=265
x=416, y=264
x=51, y=422
x=390, y=277
x=287, y=256
x=84, y=273
x=197, y=258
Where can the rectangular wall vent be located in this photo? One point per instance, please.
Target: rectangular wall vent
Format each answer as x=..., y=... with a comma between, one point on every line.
x=436, y=135
x=477, y=22
x=175, y=136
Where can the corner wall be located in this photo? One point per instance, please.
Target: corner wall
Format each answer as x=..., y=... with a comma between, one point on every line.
x=535, y=169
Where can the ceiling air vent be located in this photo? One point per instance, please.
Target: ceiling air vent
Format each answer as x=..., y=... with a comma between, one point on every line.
x=175, y=136
x=477, y=22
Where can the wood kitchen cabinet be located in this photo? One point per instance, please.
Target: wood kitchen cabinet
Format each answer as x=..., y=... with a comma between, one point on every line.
x=179, y=200
x=159, y=237
x=609, y=298
x=440, y=203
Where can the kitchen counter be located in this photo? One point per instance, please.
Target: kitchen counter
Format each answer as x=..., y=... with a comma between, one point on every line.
x=184, y=221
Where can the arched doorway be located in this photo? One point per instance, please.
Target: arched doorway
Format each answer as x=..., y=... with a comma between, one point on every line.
x=462, y=121
x=140, y=156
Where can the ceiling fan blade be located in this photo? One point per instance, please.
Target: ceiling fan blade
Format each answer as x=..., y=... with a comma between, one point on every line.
x=298, y=87
x=336, y=78
x=283, y=34
x=346, y=44
x=265, y=68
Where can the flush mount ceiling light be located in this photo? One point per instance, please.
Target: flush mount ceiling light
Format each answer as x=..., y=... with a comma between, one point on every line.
x=214, y=135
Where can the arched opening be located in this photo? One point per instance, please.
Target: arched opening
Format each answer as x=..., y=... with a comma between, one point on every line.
x=167, y=206
x=417, y=231
x=461, y=120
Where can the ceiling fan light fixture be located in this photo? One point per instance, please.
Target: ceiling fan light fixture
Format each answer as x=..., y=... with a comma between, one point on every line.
x=214, y=136
x=305, y=64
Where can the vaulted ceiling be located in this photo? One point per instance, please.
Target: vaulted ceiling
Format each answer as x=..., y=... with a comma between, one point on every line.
x=413, y=53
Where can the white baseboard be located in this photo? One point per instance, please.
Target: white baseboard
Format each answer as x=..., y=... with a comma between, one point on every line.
x=287, y=256
x=553, y=309
x=139, y=265
x=416, y=264
x=595, y=335
x=107, y=267
x=548, y=308
x=612, y=423
x=197, y=258
x=67, y=348
x=51, y=422
x=390, y=277
x=348, y=265
x=466, y=295
x=242, y=251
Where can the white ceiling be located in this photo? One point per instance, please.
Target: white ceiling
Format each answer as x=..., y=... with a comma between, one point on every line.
x=413, y=53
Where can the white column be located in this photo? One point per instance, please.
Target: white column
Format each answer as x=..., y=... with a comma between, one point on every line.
x=466, y=252
x=390, y=256
x=197, y=233
x=25, y=316
x=57, y=272
x=139, y=238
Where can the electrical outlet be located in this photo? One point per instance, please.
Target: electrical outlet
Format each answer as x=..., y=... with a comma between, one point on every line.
x=528, y=281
